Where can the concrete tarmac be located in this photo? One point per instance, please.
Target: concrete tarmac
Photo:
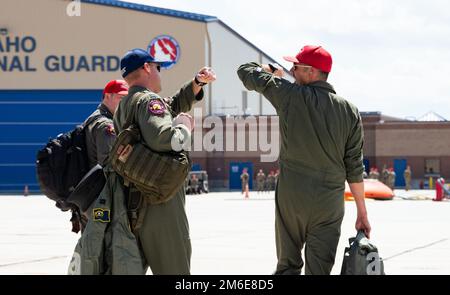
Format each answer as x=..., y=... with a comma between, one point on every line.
x=233, y=235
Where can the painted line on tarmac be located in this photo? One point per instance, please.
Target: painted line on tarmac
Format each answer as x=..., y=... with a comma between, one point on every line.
x=32, y=261
x=415, y=249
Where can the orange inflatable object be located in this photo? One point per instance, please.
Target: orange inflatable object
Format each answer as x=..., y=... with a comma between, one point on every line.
x=373, y=189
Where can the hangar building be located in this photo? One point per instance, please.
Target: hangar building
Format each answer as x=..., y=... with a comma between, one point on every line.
x=57, y=55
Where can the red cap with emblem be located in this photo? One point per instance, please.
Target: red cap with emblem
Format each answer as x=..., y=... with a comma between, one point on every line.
x=116, y=86
x=314, y=56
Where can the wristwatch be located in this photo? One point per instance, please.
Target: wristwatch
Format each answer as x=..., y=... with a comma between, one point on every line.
x=199, y=83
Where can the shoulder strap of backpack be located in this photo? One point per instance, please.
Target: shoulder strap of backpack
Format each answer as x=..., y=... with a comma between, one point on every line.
x=92, y=120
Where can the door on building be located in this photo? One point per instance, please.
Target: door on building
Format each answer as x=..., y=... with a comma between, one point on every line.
x=399, y=168
x=236, y=169
x=196, y=167
x=366, y=165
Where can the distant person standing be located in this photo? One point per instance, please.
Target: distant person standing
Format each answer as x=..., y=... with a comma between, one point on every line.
x=376, y=174
x=244, y=181
x=271, y=180
x=384, y=175
x=260, y=181
x=194, y=184
x=407, y=175
x=391, y=178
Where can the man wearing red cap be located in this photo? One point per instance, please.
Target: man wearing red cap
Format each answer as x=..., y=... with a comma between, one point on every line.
x=321, y=148
x=99, y=128
x=100, y=137
x=100, y=133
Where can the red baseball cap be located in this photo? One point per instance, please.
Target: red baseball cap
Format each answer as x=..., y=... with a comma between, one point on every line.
x=314, y=56
x=116, y=86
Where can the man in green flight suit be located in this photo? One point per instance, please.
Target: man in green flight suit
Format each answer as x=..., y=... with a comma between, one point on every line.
x=321, y=147
x=271, y=180
x=407, y=175
x=244, y=180
x=163, y=229
x=260, y=181
x=100, y=135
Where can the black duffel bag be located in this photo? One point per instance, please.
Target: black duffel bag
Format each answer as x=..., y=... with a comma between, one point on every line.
x=88, y=189
x=362, y=258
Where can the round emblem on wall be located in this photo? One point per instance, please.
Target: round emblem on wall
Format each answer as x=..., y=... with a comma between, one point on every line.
x=164, y=48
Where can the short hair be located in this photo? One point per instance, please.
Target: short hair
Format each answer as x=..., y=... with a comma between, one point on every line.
x=132, y=76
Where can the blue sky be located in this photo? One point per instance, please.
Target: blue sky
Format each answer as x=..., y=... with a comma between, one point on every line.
x=388, y=56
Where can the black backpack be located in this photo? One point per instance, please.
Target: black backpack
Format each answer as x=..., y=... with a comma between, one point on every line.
x=62, y=163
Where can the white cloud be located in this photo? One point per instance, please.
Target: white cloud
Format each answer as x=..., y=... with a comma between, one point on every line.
x=389, y=56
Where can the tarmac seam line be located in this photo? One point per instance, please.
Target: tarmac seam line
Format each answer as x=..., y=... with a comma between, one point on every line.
x=415, y=249
x=32, y=261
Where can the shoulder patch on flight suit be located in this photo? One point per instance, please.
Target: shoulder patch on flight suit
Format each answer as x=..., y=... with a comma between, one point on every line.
x=100, y=214
x=156, y=107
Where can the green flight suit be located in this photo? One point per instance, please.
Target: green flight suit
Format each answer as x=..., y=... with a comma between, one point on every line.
x=407, y=175
x=391, y=180
x=107, y=245
x=271, y=180
x=194, y=185
x=244, y=181
x=260, y=180
x=100, y=136
x=164, y=233
x=385, y=176
x=321, y=147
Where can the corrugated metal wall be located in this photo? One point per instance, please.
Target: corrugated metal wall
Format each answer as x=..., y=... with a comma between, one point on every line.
x=28, y=118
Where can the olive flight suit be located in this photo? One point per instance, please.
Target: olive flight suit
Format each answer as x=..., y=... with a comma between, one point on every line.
x=164, y=231
x=100, y=135
x=260, y=181
x=271, y=180
x=391, y=179
x=244, y=181
x=321, y=147
x=407, y=175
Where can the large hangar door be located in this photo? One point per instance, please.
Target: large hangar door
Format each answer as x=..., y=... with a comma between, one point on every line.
x=28, y=118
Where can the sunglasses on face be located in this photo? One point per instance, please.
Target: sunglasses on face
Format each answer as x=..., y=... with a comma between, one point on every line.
x=294, y=67
x=158, y=66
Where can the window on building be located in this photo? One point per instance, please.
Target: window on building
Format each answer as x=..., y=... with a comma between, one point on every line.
x=432, y=166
